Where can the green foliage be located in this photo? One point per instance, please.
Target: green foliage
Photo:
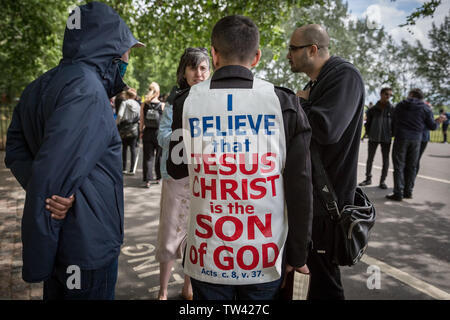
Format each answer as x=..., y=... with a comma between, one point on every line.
x=434, y=64
x=30, y=40
x=426, y=10
x=31, y=36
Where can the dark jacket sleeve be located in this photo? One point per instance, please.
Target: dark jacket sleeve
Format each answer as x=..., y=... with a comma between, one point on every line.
x=76, y=135
x=329, y=115
x=298, y=186
x=18, y=157
x=430, y=123
x=177, y=161
x=369, y=118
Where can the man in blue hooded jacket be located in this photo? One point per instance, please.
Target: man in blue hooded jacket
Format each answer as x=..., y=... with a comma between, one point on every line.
x=63, y=141
x=411, y=117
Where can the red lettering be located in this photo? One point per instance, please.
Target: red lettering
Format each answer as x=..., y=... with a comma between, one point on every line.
x=254, y=163
x=229, y=165
x=207, y=163
x=211, y=188
x=197, y=161
x=227, y=259
x=265, y=254
x=200, y=222
x=240, y=257
x=262, y=190
x=238, y=228
x=224, y=190
x=272, y=180
x=196, y=194
x=193, y=258
x=269, y=163
x=266, y=229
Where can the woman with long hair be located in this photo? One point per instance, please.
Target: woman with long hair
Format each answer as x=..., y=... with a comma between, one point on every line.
x=151, y=112
x=192, y=69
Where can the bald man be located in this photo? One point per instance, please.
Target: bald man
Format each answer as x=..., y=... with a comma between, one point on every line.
x=334, y=102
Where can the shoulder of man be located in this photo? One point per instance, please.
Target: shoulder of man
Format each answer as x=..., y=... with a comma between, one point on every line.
x=288, y=99
x=295, y=119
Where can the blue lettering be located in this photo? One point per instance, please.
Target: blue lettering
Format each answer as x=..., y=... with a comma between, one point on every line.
x=268, y=123
x=207, y=123
x=255, y=128
x=238, y=123
x=194, y=125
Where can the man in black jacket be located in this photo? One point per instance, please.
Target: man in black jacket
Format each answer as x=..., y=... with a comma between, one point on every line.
x=379, y=129
x=234, y=118
x=411, y=117
x=334, y=102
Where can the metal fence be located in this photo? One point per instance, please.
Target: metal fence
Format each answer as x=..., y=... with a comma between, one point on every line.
x=438, y=134
x=6, y=112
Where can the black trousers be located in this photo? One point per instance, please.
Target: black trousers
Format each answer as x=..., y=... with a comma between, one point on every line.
x=132, y=143
x=385, y=148
x=444, y=131
x=325, y=281
x=152, y=154
x=405, y=156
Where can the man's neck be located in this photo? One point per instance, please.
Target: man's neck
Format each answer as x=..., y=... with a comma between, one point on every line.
x=314, y=74
x=232, y=64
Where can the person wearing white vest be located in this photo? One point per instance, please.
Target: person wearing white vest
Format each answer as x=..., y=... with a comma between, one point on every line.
x=244, y=144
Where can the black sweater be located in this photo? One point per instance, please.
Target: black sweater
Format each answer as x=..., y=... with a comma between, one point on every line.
x=335, y=111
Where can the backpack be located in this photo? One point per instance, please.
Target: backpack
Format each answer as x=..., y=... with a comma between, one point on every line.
x=129, y=129
x=152, y=115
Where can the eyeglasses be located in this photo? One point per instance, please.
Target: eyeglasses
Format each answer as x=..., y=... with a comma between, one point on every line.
x=294, y=48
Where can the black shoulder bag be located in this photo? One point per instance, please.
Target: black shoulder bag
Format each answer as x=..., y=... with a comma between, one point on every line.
x=352, y=224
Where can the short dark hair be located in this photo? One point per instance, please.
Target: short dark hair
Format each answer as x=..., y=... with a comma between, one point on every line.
x=383, y=90
x=191, y=57
x=236, y=38
x=416, y=93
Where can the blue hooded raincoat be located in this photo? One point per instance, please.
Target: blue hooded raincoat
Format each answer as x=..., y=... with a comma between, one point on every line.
x=63, y=140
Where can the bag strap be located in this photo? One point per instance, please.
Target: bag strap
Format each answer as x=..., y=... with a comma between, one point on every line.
x=323, y=185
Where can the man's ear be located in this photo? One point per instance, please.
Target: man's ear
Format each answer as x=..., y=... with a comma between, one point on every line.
x=313, y=50
x=256, y=58
x=215, y=57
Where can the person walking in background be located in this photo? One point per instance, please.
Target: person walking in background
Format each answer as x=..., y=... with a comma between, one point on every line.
x=379, y=129
x=446, y=120
x=411, y=117
x=175, y=196
x=128, y=125
x=151, y=112
x=424, y=142
x=63, y=140
x=333, y=100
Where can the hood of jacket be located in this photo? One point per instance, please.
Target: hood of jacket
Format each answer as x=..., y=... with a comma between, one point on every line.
x=100, y=41
x=413, y=104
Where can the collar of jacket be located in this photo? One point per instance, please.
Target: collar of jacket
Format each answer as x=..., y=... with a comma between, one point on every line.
x=378, y=105
x=232, y=71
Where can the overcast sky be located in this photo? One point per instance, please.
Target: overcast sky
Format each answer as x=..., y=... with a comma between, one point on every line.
x=393, y=13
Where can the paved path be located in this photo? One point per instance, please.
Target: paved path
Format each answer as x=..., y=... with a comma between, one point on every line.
x=410, y=244
x=12, y=198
